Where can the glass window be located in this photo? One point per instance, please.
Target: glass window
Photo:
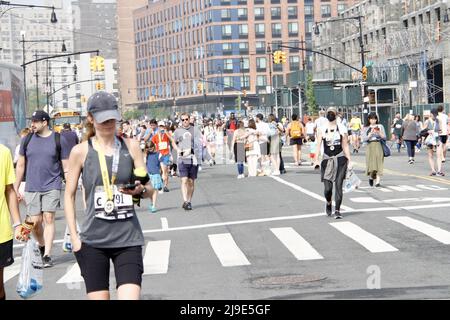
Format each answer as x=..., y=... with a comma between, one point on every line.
x=243, y=29
x=243, y=45
x=226, y=47
x=261, y=63
x=259, y=12
x=276, y=12
x=242, y=12
x=293, y=27
x=225, y=13
x=228, y=64
x=292, y=11
x=341, y=7
x=245, y=64
x=226, y=30
x=261, y=81
x=276, y=28
x=309, y=10
x=260, y=45
x=325, y=9
x=259, y=28
x=228, y=82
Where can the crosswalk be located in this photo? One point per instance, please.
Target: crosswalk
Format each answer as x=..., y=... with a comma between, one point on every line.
x=157, y=256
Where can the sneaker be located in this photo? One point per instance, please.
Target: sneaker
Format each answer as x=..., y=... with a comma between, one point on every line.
x=410, y=161
x=433, y=173
x=337, y=215
x=440, y=174
x=283, y=171
x=188, y=206
x=42, y=250
x=153, y=209
x=328, y=209
x=371, y=182
x=443, y=161
x=199, y=168
x=184, y=205
x=378, y=185
x=48, y=263
x=161, y=191
x=166, y=189
x=239, y=176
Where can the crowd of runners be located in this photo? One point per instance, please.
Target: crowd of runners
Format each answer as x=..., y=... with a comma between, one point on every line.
x=117, y=163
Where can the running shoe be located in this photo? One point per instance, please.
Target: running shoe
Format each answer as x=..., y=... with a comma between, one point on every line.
x=153, y=209
x=440, y=174
x=328, y=209
x=188, y=206
x=166, y=189
x=184, y=205
x=433, y=173
x=378, y=185
x=48, y=263
x=337, y=215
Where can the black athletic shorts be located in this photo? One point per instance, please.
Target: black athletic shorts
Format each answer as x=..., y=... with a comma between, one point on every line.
x=298, y=141
x=443, y=139
x=6, y=254
x=94, y=265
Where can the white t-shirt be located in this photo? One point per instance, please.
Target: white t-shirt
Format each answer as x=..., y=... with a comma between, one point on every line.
x=263, y=129
x=443, y=119
x=320, y=122
x=310, y=127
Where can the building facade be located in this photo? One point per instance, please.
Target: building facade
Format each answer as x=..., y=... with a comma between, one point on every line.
x=204, y=54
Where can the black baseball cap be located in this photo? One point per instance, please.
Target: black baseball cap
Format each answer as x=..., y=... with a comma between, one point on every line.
x=103, y=106
x=40, y=115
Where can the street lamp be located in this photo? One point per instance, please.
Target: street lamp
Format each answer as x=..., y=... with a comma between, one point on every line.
x=53, y=18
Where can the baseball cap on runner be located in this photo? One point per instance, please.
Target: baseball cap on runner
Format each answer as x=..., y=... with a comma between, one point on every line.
x=40, y=115
x=103, y=107
x=161, y=124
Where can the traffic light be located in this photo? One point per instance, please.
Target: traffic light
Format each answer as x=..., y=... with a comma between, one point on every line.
x=282, y=57
x=93, y=63
x=99, y=86
x=100, y=63
x=200, y=87
x=364, y=73
x=83, y=99
x=276, y=57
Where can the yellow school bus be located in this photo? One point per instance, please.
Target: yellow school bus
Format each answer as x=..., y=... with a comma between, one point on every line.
x=62, y=116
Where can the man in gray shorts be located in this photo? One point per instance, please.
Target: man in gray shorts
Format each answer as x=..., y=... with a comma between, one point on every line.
x=43, y=179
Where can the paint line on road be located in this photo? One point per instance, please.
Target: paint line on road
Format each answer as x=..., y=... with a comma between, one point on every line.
x=156, y=258
x=296, y=244
x=73, y=275
x=436, y=233
x=305, y=191
x=227, y=250
x=13, y=270
x=364, y=200
x=364, y=238
x=403, y=188
x=164, y=223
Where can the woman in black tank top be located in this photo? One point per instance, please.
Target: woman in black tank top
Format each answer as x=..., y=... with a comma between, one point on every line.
x=110, y=230
x=336, y=159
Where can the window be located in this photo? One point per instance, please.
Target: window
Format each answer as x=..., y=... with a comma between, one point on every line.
x=225, y=14
x=228, y=83
x=276, y=12
x=243, y=47
x=242, y=13
x=261, y=81
x=243, y=29
x=294, y=62
x=309, y=26
x=245, y=64
x=227, y=48
x=261, y=64
x=228, y=64
x=293, y=28
x=309, y=10
x=292, y=12
x=260, y=47
x=341, y=7
x=259, y=13
x=226, y=31
x=276, y=29
x=245, y=80
x=259, y=29
x=325, y=9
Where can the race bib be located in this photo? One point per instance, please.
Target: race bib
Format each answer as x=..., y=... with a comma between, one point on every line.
x=398, y=126
x=162, y=145
x=123, y=204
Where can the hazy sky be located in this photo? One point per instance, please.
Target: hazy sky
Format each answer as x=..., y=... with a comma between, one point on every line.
x=37, y=2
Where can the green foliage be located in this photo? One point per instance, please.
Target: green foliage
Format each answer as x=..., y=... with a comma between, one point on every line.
x=133, y=114
x=310, y=97
x=32, y=105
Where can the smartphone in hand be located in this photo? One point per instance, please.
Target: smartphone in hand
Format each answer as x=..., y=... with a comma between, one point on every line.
x=129, y=186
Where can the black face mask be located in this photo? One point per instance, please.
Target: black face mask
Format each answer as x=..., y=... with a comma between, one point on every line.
x=331, y=116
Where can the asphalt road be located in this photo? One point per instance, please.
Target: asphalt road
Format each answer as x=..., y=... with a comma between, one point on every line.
x=268, y=238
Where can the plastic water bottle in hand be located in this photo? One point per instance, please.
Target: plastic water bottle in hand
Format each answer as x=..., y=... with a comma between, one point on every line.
x=67, y=243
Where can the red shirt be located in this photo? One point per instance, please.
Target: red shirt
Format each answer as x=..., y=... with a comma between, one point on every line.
x=162, y=143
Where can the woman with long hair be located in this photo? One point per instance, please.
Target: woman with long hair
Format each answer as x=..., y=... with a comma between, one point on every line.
x=410, y=134
x=114, y=180
x=238, y=145
x=431, y=141
x=373, y=133
x=336, y=160
x=253, y=151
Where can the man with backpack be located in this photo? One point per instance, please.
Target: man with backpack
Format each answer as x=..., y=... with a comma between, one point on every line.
x=296, y=133
x=43, y=154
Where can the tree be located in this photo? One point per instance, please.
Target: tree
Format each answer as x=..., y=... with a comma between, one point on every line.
x=310, y=97
x=32, y=101
x=133, y=114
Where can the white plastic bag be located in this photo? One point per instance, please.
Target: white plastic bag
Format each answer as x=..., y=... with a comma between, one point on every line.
x=31, y=273
x=351, y=181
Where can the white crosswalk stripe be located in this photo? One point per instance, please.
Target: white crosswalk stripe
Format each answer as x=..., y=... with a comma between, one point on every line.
x=364, y=238
x=436, y=233
x=156, y=258
x=295, y=243
x=227, y=250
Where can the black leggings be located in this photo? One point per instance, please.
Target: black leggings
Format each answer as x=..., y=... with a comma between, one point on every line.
x=411, y=147
x=328, y=192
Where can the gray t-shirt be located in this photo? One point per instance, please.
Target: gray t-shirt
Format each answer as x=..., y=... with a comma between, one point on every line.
x=189, y=141
x=43, y=171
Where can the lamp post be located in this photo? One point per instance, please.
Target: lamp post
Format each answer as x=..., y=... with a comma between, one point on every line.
x=53, y=18
x=361, y=45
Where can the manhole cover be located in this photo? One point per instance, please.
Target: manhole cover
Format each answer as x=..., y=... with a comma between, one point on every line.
x=289, y=279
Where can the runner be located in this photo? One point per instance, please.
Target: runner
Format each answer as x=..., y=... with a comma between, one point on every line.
x=153, y=163
x=187, y=141
x=355, y=127
x=320, y=122
x=230, y=126
x=8, y=206
x=162, y=142
x=443, y=133
x=210, y=135
x=238, y=143
x=111, y=230
x=309, y=126
x=410, y=134
x=431, y=141
x=276, y=130
x=264, y=144
x=252, y=149
x=42, y=160
x=373, y=134
x=336, y=159
x=295, y=131
x=397, y=131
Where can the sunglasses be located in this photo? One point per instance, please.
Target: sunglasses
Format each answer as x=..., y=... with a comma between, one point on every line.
x=185, y=119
